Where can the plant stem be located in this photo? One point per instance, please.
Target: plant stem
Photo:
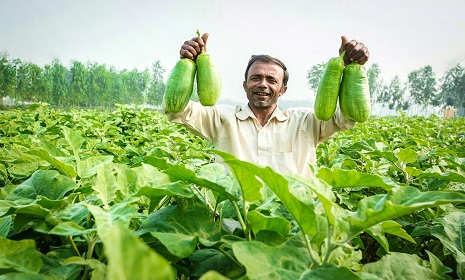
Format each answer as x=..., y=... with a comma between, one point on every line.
x=329, y=245
x=162, y=202
x=241, y=221
x=216, y=207
x=73, y=245
x=309, y=248
x=229, y=256
x=91, y=241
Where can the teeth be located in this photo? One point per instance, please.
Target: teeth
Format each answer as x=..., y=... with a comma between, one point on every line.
x=261, y=93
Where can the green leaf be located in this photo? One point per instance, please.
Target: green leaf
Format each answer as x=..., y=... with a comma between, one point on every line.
x=130, y=258
x=105, y=185
x=401, y=266
x=213, y=275
x=329, y=271
x=259, y=222
x=396, y=229
x=438, y=267
x=250, y=186
x=20, y=256
x=451, y=233
x=181, y=173
x=206, y=260
x=181, y=230
x=5, y=225
x=64, y=168
x=47, y=183
x=406, y=156
x=88, y=167
x=377, y=233
x=70, y=228
x=121, y=213
x=24, y=166
x=340, y=178
x=302, y=212
x=171, y=189
x=147, y=175
x=449, y=176
x=73, y=137
x=266, y=262
x=397, y=202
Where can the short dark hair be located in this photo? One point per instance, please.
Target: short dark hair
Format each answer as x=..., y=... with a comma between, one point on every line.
x=267, y=58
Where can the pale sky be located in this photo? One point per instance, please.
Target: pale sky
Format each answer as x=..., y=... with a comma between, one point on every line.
x=402, y=35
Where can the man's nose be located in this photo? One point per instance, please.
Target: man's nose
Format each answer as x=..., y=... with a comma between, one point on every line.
x=263, y=83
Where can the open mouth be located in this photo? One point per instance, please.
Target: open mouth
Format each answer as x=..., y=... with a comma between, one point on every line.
x=262, y=93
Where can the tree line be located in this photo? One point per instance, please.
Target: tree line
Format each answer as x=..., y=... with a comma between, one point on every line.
x=422, y=87
x=87, y=85
x=91, y=85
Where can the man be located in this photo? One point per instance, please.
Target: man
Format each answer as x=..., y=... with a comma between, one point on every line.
x=260, y=132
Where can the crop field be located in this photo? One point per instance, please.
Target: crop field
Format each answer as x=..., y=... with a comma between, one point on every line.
x=125, y=194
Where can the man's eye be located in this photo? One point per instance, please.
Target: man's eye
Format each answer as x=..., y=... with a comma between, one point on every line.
x=273, y=81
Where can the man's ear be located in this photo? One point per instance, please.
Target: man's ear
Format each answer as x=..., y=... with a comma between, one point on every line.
x=244, y=85
x=283, y=90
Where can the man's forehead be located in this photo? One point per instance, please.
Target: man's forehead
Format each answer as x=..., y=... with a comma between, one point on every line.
x=266, y=67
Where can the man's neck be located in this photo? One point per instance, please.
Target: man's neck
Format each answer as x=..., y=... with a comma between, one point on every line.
x=263, y=114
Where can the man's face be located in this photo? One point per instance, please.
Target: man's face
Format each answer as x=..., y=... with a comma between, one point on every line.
x=264, y=84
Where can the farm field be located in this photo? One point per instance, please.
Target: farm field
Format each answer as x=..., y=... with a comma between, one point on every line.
x=125, y=194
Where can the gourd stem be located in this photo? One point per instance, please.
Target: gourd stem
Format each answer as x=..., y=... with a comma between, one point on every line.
x=341, y=55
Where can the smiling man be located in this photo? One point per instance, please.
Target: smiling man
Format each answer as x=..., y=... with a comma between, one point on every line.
x=260, y=132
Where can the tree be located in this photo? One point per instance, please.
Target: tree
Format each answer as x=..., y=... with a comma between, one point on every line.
x=98, y=86
x=375, y=82
x=397, y=94
x=60, y=83
x=8, y=80
x=46, y=86
x=29, y=79
x=422, y=86
x=314, y=76
x=156, y=86
x=452, y=91
x=78, y=86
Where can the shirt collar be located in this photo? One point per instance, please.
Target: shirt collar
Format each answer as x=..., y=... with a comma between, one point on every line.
x=243, y=112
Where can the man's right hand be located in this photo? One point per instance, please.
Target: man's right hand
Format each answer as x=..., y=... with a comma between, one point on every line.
x=191, y=48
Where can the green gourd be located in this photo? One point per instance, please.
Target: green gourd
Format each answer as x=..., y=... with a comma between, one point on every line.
x=180, y=85
x=208, y=79
x=328, y=88
x=354, y=96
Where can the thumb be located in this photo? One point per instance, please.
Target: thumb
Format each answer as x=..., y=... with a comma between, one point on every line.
x=204, y=39
x=344, y=41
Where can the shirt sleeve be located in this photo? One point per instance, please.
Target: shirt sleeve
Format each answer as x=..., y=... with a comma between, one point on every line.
x=202, y=120
x=327, y=129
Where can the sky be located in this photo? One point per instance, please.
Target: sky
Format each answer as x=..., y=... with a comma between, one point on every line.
x=401, y=35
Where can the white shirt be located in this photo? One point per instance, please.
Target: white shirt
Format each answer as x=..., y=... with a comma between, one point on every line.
x=287, y=143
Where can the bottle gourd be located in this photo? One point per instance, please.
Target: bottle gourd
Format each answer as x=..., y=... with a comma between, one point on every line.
x=328, y=88
x=180, y=85
x=208, y=79
x=354, y=96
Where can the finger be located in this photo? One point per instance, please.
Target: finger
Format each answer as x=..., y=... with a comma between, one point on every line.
x=353, y=48
x=362, y=56
x=189, y=50
x=359, y=53
x=204, y=39
x=186, y=54
x=344, y=42
x=197, y=44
